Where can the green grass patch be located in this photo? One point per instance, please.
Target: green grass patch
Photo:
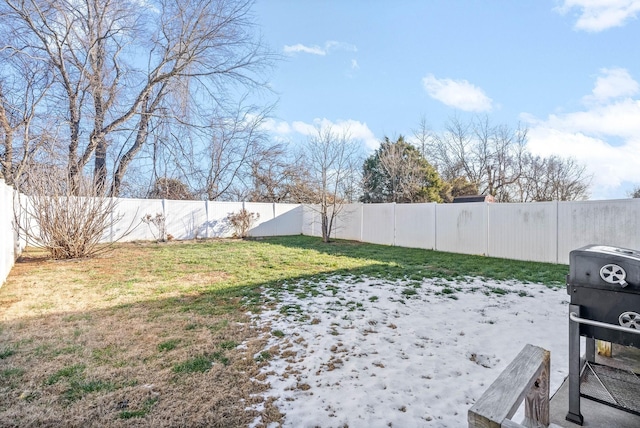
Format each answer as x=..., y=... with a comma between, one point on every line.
x=78, y=388
x=229, y=344
x=398, y=263
x=77, y=384
x=6, y=353
x=199, y=364
x=66, y=372
x=263, y=356
x=139, y=413
x=169, y=345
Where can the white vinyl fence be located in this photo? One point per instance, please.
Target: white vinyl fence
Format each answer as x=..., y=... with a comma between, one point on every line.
x=200, y=219
x=9, y=243
x=539, y=231
x=542, y=231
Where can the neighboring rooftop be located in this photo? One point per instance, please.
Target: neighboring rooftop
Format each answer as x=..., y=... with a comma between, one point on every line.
x=473, y=198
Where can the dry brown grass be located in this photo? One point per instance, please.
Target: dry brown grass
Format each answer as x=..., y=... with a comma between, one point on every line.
x=81, y=345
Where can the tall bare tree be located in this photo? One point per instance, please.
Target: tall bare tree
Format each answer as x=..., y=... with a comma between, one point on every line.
x=489, y=156
x=332, y=160
x=23, y=120
x=553, y=179
x=495, y=159
x=119, y=65
x=279, y=175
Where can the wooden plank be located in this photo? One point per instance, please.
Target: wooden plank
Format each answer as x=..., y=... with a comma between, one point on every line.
x=508, y=423
x=502, y=398
x=536, y=404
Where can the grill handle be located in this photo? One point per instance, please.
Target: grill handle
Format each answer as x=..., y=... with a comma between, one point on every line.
x=575, y=318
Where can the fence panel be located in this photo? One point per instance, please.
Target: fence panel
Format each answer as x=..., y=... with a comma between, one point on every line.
x=217, y=224
x=311, y=225
x=288, y=219
x=415, y=225
x=8, y=237
x=462, y=228
x=265, y=225
x=523, y=231
x=378, y=223
x=127, y=219
x=348, y=224
x=612, y=222
x=186, y=219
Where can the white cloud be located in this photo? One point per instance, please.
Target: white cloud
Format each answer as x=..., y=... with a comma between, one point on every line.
x=330, y=45
x=276, y=127
x=315, y=50
x=459, y=94
x=613, y=83
x=618, y=119
x=599, y=15
x=354, y=129
x=605, y=136
x=354, y=64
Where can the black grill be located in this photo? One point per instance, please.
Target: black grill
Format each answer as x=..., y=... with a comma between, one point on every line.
x=604, y=285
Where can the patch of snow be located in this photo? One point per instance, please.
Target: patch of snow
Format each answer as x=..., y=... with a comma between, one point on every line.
x=376, y=353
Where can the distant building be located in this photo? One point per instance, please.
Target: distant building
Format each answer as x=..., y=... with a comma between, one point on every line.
x=473, y=198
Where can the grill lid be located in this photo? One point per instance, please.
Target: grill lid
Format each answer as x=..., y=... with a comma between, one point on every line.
x=605, y=267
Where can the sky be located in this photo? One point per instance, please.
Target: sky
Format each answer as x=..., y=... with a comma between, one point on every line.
x=567, y=70
x=370, y=354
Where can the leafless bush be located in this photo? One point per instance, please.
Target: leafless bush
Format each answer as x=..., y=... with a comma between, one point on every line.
x=159, y=223
x=67, y=226
x=242, y=221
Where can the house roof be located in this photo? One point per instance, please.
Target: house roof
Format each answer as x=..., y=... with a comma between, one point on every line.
x=473, y=198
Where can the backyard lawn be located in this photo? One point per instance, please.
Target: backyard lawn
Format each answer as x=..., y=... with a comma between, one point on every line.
x=225, y=332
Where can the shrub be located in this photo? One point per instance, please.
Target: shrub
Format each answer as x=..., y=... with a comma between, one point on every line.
x=68, y=222
x=159, y=223
x=241, y=222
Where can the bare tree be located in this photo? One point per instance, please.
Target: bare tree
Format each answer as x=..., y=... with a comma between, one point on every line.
x=278, y=175
x=332, y=159
x=553, y=179
x=424, y=137
x=489, y=156
x=23, y=125
x=119, y=65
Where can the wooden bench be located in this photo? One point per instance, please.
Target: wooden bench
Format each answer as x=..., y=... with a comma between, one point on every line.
x=526, y=378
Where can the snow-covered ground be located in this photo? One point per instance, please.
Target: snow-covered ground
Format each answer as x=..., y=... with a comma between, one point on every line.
x=375, y=353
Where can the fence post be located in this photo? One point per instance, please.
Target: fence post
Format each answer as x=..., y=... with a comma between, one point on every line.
x=206, y=219
x=394, y=224
x=361, y=221
x=113, y=204
x=557, y=205
x=487, y=235
x=435, y=227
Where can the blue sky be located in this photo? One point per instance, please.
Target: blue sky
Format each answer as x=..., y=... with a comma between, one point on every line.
x=568, y=70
